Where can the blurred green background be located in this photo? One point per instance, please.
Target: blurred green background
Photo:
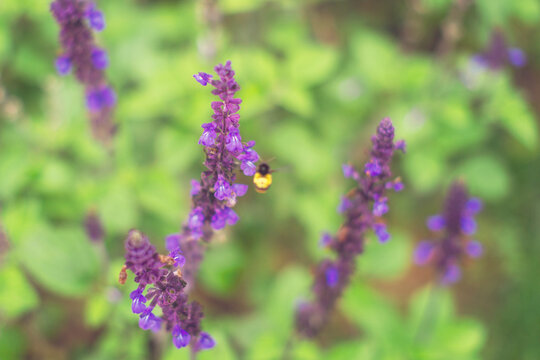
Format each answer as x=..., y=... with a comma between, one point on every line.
x=315, y=77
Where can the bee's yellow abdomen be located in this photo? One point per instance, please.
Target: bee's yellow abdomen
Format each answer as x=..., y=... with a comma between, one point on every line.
x=262, y=182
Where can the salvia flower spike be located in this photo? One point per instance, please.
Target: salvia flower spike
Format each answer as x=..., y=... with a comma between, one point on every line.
x=160, y=276
x=81, y=55
x=216, y=193
x=454, y=229
x=363, y=208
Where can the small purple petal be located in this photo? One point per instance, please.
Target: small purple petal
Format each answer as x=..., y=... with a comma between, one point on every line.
x=222, y=188
x=474, y=249
x=424, y=251
x=233, y=141
x=149, y=321
x=436, y=223
x=196, y=218
x=325, y=240
x=63, y=65
x=96, y=19
x=248, y=168
x=517, y=57
x=381, y=232
x=401, y=145
x=372, y=168
x=209, y=134
x=172, y=241
x=474, y=205
x=348, y=170
x=232, y=217
x=344, y=204
x=468, y=225
x=179, y=259
x=99, y=58
x=206, y=341
x=332, y=276
x=138, y=304
x=202, y=78
x=380, y=207
x=180, y=337
x=195, y=187
x=240, y=189
x=451, y=274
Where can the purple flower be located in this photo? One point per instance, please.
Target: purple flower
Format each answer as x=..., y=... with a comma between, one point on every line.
x=240, y=189
x=222, y=217
x=423, y=252
x=380, y=207
x=517, y=57
x=138, y=303
x=233, y=141
x=196, y=218
x=100, y=98
x=348, y=170
x=95, y=18
x=381, y=232
x=468, y=225
x=473, y=206
x=202, y=78
x=332, y=276
x=435, y=223
x=372, y=168
x=325, y=240
x=451, y=274
x=474, y=249
x=222, y=188
x=99, y=58
x=63, y=65
x=401, y=145
x=180, y=337
x=195, y=187
x=179, y=259
x=498, y=54
x=172, y=241
x=209, y=134
x=206, y=341
x=344, y=204
x=149, y=321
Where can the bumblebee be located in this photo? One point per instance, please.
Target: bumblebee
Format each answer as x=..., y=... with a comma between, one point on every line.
x=263, y=178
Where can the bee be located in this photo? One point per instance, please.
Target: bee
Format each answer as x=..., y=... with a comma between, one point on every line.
x=262, y=178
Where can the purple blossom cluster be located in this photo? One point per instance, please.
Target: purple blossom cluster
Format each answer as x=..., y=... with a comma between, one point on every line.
x=363, y=208
x=215, y=195
x=499, y=54
x=161, y=277
x=455, y=225
x=77, y=19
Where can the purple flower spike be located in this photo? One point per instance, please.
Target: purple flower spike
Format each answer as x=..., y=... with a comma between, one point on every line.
x=517, y=57
x=436, y=223
x=468, y=225
x=332, y=276
x=202, y=78
x=95, y=18
x=474, y=249
x=100, y=59
x=362, y=208
x=180, y=337
x=451, y=275
x=423, y=252
x=206, y=341
x=458, y=223
x=80, y=53
x=223, y=188
x=63, y=65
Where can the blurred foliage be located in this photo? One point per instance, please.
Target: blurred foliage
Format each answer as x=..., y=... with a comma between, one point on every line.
x=316, y=76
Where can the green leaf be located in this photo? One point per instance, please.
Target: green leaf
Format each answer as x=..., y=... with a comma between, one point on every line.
x=16, y=294
x=485, y=176
x=97, y=309
x=387, y=260
x=61, y=259
x=462, y=338
x=12, y=343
